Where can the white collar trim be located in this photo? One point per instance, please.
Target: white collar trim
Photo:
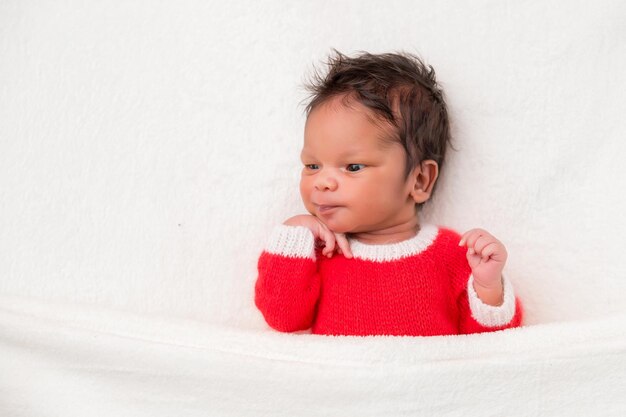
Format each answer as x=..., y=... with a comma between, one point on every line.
x=392, y=251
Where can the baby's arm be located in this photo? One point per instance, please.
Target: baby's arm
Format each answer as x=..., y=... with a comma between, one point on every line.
x=287, y=287
x=486, y=256
x=288, y=284
x=476, y=316
x=486, y=300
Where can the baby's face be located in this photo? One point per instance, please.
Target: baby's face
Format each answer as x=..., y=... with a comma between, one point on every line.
x=352, y=180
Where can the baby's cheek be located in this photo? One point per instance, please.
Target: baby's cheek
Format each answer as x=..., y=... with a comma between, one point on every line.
x=307, y=202
x=304, y=191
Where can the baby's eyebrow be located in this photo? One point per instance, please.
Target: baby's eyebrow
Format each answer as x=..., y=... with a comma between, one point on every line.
x=349, y=154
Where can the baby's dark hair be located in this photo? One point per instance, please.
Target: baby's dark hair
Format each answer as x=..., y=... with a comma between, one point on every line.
x=400, y=89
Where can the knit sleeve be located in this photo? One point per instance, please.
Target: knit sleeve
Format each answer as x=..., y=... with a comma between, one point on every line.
x=478, y=317
x=474, y=316
x=490, y=316
x=288, y=284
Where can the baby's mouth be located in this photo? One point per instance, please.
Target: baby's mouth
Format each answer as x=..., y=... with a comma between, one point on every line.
x=327, y=209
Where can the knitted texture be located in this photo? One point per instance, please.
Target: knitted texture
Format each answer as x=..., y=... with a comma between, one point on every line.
x=418, y=287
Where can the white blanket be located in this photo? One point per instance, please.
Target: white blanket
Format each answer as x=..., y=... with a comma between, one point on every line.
x=60, y=360
x=147, y=150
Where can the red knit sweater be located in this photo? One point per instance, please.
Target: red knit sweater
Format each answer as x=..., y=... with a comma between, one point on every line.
x=419, y=287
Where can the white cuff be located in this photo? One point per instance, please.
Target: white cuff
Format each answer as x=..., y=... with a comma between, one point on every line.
x=488, y=315
x=291, y=241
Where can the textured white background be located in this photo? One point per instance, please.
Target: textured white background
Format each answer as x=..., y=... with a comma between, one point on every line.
x=147, y=148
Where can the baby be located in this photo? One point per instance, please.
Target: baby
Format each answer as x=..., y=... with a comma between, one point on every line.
x=361, y=263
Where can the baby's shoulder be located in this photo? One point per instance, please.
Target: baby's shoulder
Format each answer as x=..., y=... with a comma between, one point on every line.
x=448, y=236
x=453, y=256
x=447, y=241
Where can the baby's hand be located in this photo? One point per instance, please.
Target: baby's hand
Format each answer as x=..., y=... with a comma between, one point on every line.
x=486, y=256
x=322, y=233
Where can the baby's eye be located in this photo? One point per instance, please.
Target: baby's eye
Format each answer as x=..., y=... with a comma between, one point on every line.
x=311, y=166
x=355, y=167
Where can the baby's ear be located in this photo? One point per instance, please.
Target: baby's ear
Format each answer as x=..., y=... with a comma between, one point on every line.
x=423, y=179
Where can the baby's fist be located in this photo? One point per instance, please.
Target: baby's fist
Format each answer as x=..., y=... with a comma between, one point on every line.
x=332, y=241
x=486, y=256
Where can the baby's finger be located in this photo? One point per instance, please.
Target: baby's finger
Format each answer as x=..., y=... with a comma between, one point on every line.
x=495, y=251
x=482, y=242
x=489, y=250
x=462, y=240
x=470, y=242
x=466, y=236
x=344, y=246
x=322, y=236
x=329, y=238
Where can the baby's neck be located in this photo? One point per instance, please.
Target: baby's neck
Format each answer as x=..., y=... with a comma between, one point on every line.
x=392, y=234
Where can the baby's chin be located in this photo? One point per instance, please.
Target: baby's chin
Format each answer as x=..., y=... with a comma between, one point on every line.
x=334, y=226
x=338, y=226
x=339, y=222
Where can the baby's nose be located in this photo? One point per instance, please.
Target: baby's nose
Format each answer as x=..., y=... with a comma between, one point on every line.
x=325, y=182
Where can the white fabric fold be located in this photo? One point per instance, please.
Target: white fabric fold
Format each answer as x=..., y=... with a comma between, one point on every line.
x=78, y=360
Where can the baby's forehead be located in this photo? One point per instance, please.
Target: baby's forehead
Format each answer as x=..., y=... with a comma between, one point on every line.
x=348, y=125
x=379, y=145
